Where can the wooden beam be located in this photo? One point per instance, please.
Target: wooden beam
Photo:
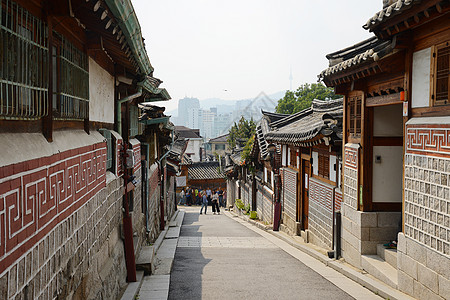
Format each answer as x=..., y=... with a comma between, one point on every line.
x=387, y=141
x=383, y=100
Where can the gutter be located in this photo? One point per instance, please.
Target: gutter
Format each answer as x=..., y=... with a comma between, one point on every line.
x=119, y=107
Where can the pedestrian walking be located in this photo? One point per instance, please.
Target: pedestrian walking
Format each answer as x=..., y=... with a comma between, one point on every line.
x=208, y=194
x=204, y=203
x=215, y=203
x=182, y=197
x=189, y=196
x=221, y=203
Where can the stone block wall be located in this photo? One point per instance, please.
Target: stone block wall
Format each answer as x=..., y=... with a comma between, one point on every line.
x=80, y=254
x=351, y=182
x=264, y=203
x=424, y=247
x=361, y=232
x=320, y=222
x=289, y=193
x=154, y=193
x=423, y=272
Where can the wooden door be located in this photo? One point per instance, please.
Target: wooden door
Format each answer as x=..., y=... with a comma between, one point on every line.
x=305, y=193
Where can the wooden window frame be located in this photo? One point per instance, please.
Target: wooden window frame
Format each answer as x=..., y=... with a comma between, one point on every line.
x=354, y=113
x=445, y=46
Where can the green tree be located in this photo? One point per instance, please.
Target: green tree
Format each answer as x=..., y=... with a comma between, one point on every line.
x=243, y=130
x=293, y=102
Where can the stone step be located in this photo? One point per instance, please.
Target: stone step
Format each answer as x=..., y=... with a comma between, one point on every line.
x=155, y=287
x=173, y=222
x=389, y=255
x=133, y=287
x=380, y=269
x=145, y=259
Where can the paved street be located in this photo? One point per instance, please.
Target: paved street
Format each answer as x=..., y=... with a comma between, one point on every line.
x=223, y=257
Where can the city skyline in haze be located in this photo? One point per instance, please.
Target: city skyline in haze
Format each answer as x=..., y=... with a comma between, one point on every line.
x=236, y=49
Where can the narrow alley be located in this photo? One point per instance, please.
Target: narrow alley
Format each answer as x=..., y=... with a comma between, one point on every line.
x=224, y=257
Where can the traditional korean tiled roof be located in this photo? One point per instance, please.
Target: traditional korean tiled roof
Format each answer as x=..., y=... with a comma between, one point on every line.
x=236, y=157
x=389, y=12
x=369, y=50
x=220, y=139
x=187, y=133
x=322, y=120
x=204, y=170
x=263, y=127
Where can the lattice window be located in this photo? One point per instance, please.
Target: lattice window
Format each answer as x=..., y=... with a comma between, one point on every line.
x=23, y=63
x=70, y=80
x=293, y=158
x=441, y=59
x=324, y=165
x=354, y=109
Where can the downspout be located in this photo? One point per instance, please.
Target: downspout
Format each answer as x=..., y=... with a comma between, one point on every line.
x=127, y=221
x=119, y=107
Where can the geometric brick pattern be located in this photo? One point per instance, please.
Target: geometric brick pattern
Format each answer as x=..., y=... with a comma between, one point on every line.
x=351, y=159
x=37, y=195
x=321, y=210
x=289, y=179
x=427, y=187
x=429, y=139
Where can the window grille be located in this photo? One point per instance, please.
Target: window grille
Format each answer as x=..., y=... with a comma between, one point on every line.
x=109, y=147
x=134, y=127
x=23, y=63
x=71, y=80
x=442, y=78
x=324, y=165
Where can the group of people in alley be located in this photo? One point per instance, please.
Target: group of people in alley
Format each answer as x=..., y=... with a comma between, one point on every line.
x=194, y=196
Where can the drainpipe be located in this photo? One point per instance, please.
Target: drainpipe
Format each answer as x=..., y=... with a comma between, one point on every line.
x=127, y=222
x=119, y=107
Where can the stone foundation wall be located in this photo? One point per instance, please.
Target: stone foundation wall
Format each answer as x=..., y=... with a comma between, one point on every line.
x=82, y=257
x=153, y=218
x=264, y=204
x=424, y=247
x=320, y=223
x=423, y=272
x=362, y=231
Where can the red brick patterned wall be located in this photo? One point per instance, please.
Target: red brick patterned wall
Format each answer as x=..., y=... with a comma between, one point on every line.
x=36, y=195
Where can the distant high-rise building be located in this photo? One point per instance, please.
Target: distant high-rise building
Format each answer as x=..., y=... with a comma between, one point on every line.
x=222, y=123
x=208, y=123
x=183, y=107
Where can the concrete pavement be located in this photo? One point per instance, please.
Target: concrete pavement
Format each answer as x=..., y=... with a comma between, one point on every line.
x=226, y=257
x=220, y=257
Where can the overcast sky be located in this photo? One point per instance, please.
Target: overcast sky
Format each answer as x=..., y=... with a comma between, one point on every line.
x=200, y=48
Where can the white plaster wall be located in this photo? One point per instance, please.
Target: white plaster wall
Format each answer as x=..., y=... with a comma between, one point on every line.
x=387, y=175
x=421, y=78
x=283, y=155
x=388, y=120
x=101, y=94
x=315, y=164
x=332, y=171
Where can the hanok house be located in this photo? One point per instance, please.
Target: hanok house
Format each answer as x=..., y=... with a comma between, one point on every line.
x=396, y=153
x=218, y=146
x=71, y=73
x=159, y=167
x=194, y=139
x=204, y=175
x=310, y=142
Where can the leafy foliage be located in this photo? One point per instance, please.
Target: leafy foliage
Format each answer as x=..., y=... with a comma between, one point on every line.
x=244, y=130
x=293, y=102
x=248, y=148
